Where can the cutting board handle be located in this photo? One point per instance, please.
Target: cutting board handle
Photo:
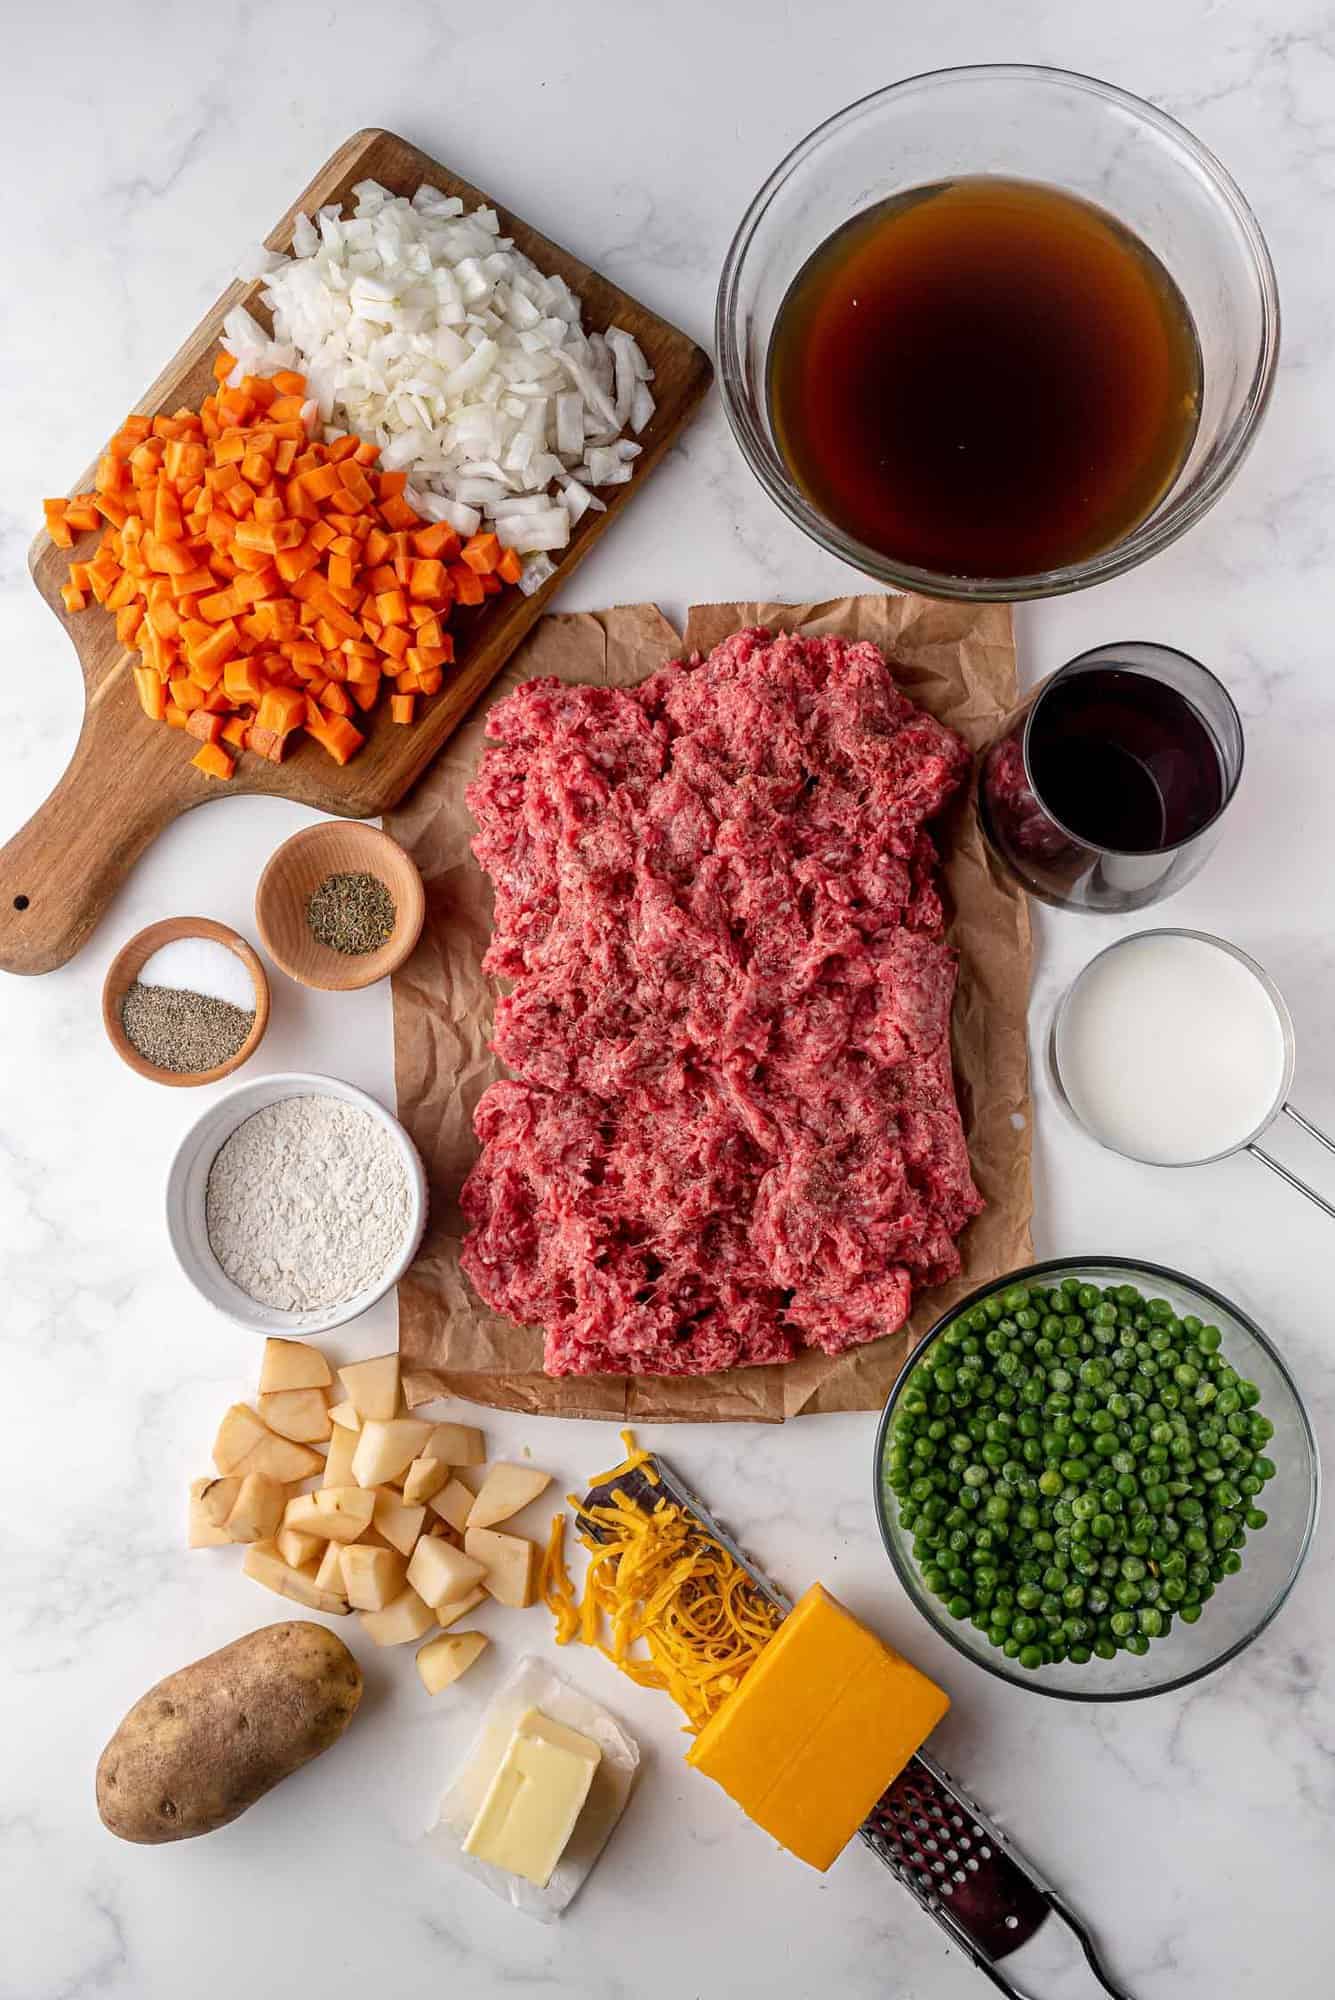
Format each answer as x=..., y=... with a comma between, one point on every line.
x=60, y=871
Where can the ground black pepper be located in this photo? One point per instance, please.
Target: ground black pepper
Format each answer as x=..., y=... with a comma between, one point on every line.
x=352, y=914
x=183, y=1032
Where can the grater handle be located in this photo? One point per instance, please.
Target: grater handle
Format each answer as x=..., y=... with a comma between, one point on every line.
x=1083, y=1939
x=995, y=1901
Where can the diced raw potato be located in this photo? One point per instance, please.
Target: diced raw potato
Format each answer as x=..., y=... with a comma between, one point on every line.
x=266, y=1566
x=373, y=1386
x=372, y=1578
x=245, y=1444
x=345, y=1415
x=440, y=1574
x=218, y=1497
x=334, y=1514
x=450, y=1614
x=443, y=1660
x=281, y=1459
x=258, y=1510
x=454, y=1505
x=511, y=1563
x=385, y=1449
x=400, y=1525
x=298, y=1550
x=338, y=1459
x=425, y=1477
x=404, y=1618
x=292, y=1364
x=329, y=1575
x=457, y=1444
x=300, y=1414
x=206, y=1532
x=238, y=1434
x=504, y=1491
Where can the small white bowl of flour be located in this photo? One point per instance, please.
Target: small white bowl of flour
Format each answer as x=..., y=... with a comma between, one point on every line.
x=295, y=1203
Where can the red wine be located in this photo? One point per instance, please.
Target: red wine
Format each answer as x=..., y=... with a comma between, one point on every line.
x=1124, y=762
x=985, y=377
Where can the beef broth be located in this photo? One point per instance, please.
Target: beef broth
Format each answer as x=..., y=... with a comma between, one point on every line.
x=985, y=377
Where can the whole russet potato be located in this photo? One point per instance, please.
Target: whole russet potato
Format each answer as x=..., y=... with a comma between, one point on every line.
x=208, y=1741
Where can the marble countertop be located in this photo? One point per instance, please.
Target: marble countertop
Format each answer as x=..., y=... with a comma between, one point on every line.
x=148, y=145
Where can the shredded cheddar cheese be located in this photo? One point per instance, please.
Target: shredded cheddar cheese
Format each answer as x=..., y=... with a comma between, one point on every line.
x=679, y=1613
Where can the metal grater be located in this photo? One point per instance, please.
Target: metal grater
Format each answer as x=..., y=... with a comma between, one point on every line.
x=954, y=1861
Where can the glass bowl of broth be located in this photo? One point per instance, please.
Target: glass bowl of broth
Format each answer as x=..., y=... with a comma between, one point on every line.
x=997, y=333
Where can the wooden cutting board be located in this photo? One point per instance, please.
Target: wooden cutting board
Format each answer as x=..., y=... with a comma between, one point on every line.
x=130, y=778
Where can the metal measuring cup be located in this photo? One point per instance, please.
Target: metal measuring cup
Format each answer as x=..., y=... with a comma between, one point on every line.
x=1280, y=1105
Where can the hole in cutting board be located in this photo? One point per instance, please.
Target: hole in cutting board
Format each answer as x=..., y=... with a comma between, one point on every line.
x=20, y=902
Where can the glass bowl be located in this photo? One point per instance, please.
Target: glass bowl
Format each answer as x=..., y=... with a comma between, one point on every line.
x=1242, y=1605
x=1028, y=123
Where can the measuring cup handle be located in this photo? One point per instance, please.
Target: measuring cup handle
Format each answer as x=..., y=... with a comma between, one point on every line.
x=1268, y=1160
x=1313, y=1131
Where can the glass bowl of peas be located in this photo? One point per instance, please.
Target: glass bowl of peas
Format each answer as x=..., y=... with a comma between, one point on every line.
x=1096, y=1478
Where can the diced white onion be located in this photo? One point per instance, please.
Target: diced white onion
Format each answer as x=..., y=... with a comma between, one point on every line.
x=425, y=330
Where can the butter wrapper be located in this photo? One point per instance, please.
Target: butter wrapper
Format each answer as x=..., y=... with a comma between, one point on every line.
x=534, y=1684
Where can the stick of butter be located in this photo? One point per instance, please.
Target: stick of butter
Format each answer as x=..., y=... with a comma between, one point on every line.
x=529, y=1813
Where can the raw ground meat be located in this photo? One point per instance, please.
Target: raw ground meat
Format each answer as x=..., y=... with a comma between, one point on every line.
x=730, y=1129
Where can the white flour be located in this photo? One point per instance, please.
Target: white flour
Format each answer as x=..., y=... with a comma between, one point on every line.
x=307, y=1203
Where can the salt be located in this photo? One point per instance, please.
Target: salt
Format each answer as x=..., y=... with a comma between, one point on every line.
x=201, y=965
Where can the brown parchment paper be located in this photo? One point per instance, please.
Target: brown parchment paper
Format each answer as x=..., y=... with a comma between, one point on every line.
x=959, y=662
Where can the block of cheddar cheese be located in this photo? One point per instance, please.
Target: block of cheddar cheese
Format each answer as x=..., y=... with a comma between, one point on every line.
x=827, y=1717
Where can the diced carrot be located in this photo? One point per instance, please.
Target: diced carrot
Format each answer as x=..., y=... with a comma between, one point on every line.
x=253, y=568
x=280, y=710
x=295, y=562
x=396, y=513
x=320, y=482
x=55, y=511
x=335, y=735
x=187, y=694
x=213, y=761
x=208, y=728
x=128, y=620
x=435, y=540
x=269, y=743
x=482, y=553
x=467, y=584
x=243, y=680
x=152, y=694
x=223, y=365
x=428, y=579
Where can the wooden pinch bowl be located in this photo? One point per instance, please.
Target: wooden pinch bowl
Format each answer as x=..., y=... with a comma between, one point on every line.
x=296, y=870
x=130, y=961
